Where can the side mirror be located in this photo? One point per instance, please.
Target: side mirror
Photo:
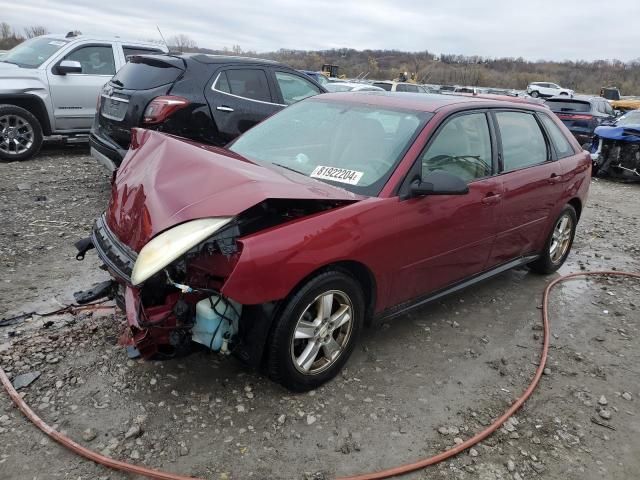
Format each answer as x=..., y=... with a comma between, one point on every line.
x=438, y=183
x=68, y=66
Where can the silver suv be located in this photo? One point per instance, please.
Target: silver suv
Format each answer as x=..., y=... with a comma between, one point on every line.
x=49, y=85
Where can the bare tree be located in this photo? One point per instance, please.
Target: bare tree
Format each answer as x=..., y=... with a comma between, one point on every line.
x=35, y=31
x=5, y=31
x=182, y=42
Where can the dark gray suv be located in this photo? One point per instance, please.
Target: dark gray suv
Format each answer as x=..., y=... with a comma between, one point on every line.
x=208, y=98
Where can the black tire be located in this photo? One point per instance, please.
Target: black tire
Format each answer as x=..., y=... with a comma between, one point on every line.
x=564, y=93
x=545, y=263
x=29, y=129
x=535, y=94
x=281, y=344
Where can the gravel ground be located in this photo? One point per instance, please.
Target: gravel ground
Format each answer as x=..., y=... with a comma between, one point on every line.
x=414, y=386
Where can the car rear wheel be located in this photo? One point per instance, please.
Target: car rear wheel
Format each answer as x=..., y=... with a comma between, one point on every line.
x=535, y=94
x=316, y=332
x=20, y=134
x=558, y=244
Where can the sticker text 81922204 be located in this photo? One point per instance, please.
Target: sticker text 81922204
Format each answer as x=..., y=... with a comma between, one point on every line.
x=342, y=175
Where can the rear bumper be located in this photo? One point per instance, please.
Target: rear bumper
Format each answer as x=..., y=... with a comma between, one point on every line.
x=106, y=153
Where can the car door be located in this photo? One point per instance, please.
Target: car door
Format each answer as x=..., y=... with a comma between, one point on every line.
x=448, y=238
x=291, y=88
x=532, y=184
x=74, y=95
x=239, y=98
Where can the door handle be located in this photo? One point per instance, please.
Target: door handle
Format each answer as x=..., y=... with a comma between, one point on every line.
x=224, y=108
x=491, y=199
x=554, y=178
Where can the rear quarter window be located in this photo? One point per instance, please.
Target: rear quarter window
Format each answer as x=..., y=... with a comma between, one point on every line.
x=561, y=144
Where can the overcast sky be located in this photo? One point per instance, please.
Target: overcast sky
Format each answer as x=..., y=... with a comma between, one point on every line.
x=533, y=29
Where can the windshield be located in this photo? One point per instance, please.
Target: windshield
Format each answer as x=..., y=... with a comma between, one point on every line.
x=33, y=52
x=631, y=118
x=352, y=146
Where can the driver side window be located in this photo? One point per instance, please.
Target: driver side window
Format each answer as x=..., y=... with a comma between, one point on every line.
x=462, y=148
x=95, y=59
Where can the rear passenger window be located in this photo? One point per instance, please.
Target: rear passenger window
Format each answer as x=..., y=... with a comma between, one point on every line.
x=560, y=142
x=295, y=88
x=523, y=143
x=462, y=148
x=247, y=83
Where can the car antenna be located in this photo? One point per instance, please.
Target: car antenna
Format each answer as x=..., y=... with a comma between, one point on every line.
x=162, y=36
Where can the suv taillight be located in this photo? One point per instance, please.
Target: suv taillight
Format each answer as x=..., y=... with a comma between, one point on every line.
x=161, y=108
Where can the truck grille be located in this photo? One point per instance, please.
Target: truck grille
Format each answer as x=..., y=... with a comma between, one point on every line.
x=116, y=256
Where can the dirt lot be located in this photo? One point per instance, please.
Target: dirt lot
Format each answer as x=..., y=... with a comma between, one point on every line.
x=455, y=364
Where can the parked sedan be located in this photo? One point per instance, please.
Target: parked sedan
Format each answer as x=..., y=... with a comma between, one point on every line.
x=582, y=115
x=352, y=87
x=390, y=86
x=209, y=98
x=337, y=210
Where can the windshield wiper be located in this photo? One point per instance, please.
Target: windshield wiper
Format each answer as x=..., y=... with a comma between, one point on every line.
x=288, y=168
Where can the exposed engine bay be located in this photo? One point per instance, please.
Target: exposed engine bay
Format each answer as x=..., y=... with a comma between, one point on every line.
x=616, y=153
x=181, y=303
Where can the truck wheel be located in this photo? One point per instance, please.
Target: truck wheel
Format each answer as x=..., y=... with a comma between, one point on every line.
x=535, y=94
x=20, y=134
x=316, y=331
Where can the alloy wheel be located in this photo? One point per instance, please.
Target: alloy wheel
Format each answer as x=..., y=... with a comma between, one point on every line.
x=322, y=332
x=561, y=238
x=16, y=134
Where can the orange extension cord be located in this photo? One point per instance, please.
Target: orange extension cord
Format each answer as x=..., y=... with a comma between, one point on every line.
x=390, y=472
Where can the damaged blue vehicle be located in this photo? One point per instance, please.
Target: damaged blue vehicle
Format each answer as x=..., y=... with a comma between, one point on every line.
x=615, y=150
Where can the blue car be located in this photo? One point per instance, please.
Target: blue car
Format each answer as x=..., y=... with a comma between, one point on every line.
x=615, y=150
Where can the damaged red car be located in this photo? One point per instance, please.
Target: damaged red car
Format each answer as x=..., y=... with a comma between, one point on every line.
x=340, y=209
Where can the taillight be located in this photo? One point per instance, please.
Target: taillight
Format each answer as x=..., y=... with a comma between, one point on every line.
x=162, y=108
x=571, y=116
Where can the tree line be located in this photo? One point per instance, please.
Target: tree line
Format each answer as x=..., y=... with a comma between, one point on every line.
x=9, y=37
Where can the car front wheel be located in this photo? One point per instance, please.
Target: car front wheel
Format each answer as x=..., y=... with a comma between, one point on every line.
x=535, y=94
x=20, y=134
x=558, y=244
x=316, y=332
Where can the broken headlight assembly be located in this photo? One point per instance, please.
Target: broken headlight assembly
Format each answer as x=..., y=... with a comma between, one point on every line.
x=172, y=244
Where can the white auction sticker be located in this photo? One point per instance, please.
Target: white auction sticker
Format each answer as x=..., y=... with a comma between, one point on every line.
x=56, y=43
x=343, y=175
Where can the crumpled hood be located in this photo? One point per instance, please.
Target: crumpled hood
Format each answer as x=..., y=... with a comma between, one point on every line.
x=628, y=133
x=164, y=181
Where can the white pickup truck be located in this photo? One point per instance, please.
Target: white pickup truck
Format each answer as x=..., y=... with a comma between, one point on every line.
x=49, y=85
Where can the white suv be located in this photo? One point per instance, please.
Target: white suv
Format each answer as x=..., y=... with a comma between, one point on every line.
x=546, y=89
x=49, y=85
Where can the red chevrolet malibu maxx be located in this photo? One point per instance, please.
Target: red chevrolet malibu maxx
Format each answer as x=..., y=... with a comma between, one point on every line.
x=338, y=209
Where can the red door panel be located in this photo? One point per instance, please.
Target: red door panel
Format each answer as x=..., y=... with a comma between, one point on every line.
x=444, y=238
x=529, y=197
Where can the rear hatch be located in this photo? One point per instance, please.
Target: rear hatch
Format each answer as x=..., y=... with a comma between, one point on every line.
x=574, y=113
x=124, y=99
